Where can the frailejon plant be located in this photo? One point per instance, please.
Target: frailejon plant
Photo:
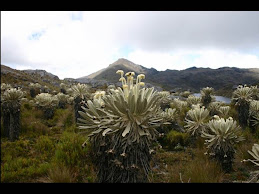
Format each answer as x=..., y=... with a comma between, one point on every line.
x=255, y=122
x=110, y=87
x=242, y=97
x=254, y=115
x=196, y=120
x=223, y=111
x=214, y=108
x=171, y=116
x=34, y=89
x=62, y=100
x=47, y=103
x=63, y=88
x=123, y=131
x=255, y=92
x=207, y=96
x=165, y=99
x=185, y=94
x=69, y=91
x=255, y=154
x=80, y=93
x=193, y=100
x=180, y=105
x=97, y=99
x=4, y=87
x=45, y=89
x=221, y=138
x=11, y=107
x=54, y=92
x=70, y=100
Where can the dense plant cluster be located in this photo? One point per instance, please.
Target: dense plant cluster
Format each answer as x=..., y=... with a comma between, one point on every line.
x=127, y=134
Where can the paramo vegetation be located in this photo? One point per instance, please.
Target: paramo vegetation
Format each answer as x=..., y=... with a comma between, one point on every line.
x=127, y=134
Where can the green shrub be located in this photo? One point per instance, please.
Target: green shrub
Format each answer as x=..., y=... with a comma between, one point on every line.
x=20, y=162
x=173, y=138
x=34, y=129
x=62, y=118
x=31, y=123
x=69, y=121
x=27, y=106
x=44, y=144
x=15, y=149
x=23, y=170
x=249, y=137
x=69, y=150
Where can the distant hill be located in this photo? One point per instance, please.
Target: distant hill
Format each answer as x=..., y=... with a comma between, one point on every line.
x=123, y=63
x=22, y=78
x=41, y=73
x=192, y=79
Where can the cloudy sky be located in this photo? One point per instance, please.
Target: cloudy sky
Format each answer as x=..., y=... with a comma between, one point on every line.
x=76, y=44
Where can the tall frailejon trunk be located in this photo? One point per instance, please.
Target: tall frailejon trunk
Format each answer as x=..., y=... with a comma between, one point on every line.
x=44, y=90
x=32, y=92
x=14, y=124
x=206, y=101
x=243, y=113
x=165, y=106
x=77, y=107
x=226, y=161
x=6, y=120
x=133, y=167
x=62, y=90
x=62, y=105
x=48, y=113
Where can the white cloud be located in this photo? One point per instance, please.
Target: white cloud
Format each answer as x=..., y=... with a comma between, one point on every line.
x=183, y=59
x=75, y=44
x=219, y=58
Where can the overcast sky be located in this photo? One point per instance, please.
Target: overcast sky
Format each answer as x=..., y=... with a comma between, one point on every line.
x=76, y=44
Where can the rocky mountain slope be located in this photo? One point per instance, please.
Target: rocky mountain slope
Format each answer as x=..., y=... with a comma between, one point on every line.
x=22, y=78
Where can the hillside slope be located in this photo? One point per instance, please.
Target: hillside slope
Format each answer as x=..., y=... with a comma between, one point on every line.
x=22, y=78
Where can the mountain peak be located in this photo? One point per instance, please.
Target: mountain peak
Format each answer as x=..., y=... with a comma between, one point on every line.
x=122, y=61
x=191, y=68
